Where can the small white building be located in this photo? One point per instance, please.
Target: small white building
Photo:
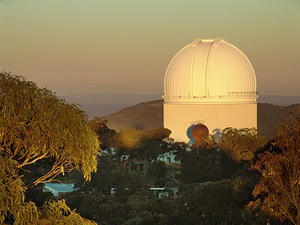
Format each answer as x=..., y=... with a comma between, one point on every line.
x=168, y=157
x=211, y=82
x=163, y=192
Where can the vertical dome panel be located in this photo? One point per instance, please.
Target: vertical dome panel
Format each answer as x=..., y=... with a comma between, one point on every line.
x=210, y=71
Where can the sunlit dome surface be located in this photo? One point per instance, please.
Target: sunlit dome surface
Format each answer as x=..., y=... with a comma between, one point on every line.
x=210, y=71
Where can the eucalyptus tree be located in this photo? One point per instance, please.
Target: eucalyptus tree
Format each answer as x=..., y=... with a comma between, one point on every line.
x=279, y=164
x=241, y=144
x=37, y=125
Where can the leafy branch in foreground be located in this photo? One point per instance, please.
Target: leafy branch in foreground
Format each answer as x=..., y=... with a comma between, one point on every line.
x=36, y=125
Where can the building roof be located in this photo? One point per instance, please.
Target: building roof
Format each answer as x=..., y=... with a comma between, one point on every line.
x=210, y=71
x=56, y=188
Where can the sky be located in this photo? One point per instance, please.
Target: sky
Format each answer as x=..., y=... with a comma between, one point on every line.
x=124, y=46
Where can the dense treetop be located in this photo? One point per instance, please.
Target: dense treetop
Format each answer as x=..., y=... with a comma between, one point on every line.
x=35, y=126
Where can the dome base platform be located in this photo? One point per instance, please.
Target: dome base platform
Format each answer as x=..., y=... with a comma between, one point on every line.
x=179, y=117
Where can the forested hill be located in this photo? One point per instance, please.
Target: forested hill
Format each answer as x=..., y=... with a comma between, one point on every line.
x=149, y=115
x=144, y=116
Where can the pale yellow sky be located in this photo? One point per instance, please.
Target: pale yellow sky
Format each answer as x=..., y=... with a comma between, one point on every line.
x=107, y=46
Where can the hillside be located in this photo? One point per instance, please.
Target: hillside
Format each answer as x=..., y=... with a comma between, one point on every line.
x=144, y=116
x=149, y=115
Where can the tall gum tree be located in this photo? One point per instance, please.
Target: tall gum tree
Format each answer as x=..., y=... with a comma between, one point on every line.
x=279, y=164
x=36, y=125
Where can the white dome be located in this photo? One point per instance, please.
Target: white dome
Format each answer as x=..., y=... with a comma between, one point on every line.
x=210, y=71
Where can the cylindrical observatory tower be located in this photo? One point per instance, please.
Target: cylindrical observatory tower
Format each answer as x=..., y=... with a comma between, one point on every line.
x=209, y=82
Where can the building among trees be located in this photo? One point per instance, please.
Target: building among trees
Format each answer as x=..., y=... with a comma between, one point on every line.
x=209, y=82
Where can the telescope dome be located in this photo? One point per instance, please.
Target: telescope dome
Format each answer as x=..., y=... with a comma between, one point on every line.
x=210, y=71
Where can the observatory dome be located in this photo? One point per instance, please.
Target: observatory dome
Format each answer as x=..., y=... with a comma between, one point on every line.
x=210, y=71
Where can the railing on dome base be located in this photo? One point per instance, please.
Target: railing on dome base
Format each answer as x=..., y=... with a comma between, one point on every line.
x=229, y=97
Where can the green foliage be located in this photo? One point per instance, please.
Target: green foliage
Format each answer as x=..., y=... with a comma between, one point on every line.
x=213, y=203
x=35, y=124
x=133, y=138
x=216, y=188
x=12, y=196
x=243, y=183
x=105, y=135
x=102, y=180
x=129, y=139
x=143, y=145
x=125, y=182
x=206, y=165
x=157, y=170
x=222, y=200
x=142, y=208
x=279, y=163
x=37, y=195
x=58, y=213
x=241, y=144
x=42, y=137
x=110, y=176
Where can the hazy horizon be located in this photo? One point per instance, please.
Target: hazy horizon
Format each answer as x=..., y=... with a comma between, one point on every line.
x=104, y=104
x=97, y=46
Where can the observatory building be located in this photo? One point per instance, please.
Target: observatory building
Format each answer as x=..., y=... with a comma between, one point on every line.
x=210, y=82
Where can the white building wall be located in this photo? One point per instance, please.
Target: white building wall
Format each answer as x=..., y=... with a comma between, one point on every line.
x=179, y=117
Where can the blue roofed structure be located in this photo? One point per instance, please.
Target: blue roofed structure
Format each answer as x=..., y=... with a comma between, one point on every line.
x=59, y=188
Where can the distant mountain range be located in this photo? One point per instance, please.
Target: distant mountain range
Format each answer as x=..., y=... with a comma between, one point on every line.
x=122, y=112
x=279, y=100
x=104, y=104
x=149, y=115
